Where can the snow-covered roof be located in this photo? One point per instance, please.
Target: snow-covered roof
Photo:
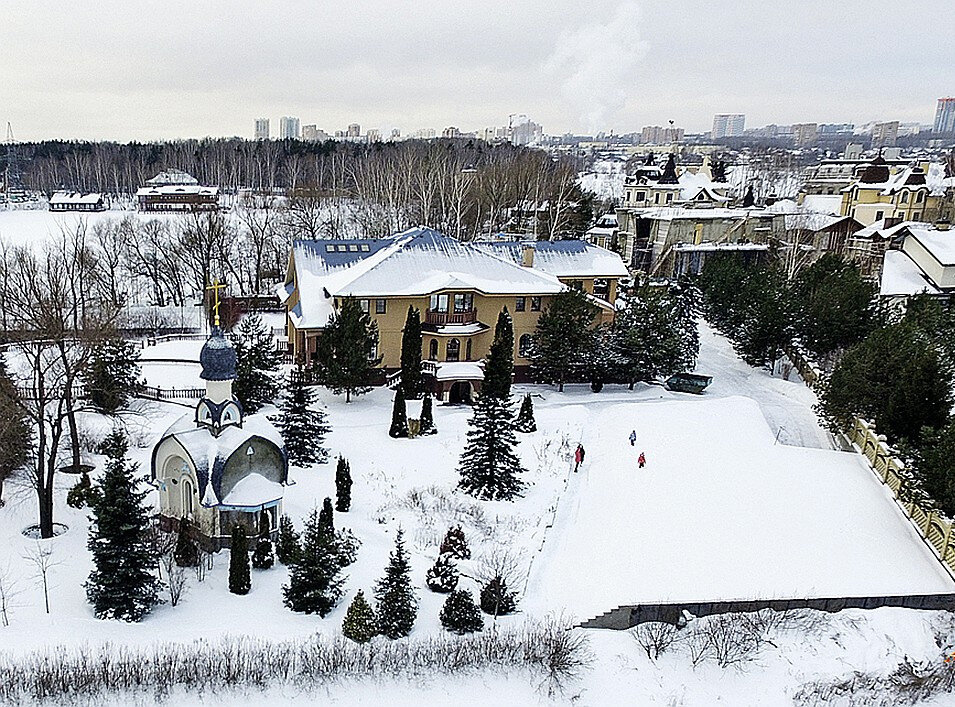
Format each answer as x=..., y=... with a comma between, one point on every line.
x=177, y=189
x=941, y=244
x=253, y=491
x=879, y=228
x=902, y=277
x=713, y=247
x=172, y=176
x=673, y=213
x=209, y=454
x=417, y=262
x=75, y=197
x=809, y=221
x=823, y=203
x=570, y=258
x=459, y=370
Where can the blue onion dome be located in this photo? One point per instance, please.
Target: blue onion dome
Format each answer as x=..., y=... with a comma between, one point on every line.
x=217, y=358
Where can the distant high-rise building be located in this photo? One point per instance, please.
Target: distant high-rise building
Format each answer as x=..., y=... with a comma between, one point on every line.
x=395, y=134
x=354, y=130
x=313, y=133
x=451, y=131
x=885, y=134
x=657, y=135
x=522, y=130
x=261, y=128
x=945, y=116
x=728, y=125
x=373, y=135
x=290, y=128
x=805, y=134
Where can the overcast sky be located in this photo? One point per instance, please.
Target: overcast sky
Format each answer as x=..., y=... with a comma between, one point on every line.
x=125, y=70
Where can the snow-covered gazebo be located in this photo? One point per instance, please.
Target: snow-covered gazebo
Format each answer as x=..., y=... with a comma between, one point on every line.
x=217, y=467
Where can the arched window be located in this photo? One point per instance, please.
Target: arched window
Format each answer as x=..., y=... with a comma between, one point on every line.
x=453, y=352
x=524, y=346
x=433, y=350
x=467, y=351
x=186, y=498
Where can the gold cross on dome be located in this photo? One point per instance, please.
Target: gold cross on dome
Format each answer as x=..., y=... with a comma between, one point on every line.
x=215, y=287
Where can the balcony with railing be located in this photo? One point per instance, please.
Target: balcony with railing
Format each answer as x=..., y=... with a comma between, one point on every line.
x=444, y=318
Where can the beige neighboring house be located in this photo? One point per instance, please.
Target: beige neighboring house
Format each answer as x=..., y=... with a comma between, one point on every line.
x=458, y=287
x=922, y=260
x=912, y=193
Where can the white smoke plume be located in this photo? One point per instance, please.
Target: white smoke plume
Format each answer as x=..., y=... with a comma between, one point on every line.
x=596, y=65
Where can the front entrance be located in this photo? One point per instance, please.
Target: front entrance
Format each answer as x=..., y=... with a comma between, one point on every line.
x=460, y=392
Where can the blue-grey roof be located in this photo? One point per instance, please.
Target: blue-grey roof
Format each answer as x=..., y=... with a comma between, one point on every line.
x=566, y=258
x=341, y=252
x=218, y=358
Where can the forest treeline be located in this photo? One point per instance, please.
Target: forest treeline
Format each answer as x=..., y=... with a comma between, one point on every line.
x=462, y=187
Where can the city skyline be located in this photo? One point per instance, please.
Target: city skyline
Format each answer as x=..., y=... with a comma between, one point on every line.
x=609, y=66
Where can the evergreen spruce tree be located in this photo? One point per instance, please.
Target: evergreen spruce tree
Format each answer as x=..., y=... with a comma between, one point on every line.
x=186, y=553
x=399, y=416
x=360, y=624
x=525, y=417
x=122, y=584
x=82, y=493
x=397, y=603
x=303, y=429
x=343, y=485
x=496, y=599
x=412, y=384
x=455, y=544
x=489, y=467
x=288, y=545
x=257, y=364
x=315, y=581
x=16, y=440
x=344, y=362
x=442, y=577
x=460, y=614
x=427, y=417
x=326, y=518
x=112, y=375
x=240, y=580
x=263, y=556
x=499, y=364
x=564, y=339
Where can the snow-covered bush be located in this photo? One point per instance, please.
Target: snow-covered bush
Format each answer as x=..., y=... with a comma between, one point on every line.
x=442, y=576
x=460, y=614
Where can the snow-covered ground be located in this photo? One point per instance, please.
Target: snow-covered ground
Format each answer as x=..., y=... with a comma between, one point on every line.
x=722, y=510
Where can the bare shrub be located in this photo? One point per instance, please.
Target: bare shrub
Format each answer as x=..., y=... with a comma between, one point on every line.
x=655, y=637
x=60, y=675
x=911, y=682
x=9, y=589
x=730, y=637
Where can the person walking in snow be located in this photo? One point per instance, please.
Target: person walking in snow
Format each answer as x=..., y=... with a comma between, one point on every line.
x=633, y=437
x=642, y=460
x=578, y=457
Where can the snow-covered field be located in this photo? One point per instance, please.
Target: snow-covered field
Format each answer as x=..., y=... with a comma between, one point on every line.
x=721, y=511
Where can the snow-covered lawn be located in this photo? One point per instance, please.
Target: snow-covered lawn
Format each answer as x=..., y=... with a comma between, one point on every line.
x=721, y=511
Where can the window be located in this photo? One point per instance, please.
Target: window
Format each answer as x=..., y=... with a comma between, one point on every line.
x=433, y=350
x=905, y=197
x=467, y=351
x=656, y=198
x=364, y=305
x=352, y=248
x=577, y=285
x=364, y=247
x=602, y=288
x=453, y=352
x=329, y=248
x=520, y=304
x=463, y=302
x=524, y=345
x=535, y=304
x=381, y=305
x=186, y=498
x=879, y=215
x=919, y=197
x=439, y=303
x=917, y=216
x=669, y=198
x=641, y=196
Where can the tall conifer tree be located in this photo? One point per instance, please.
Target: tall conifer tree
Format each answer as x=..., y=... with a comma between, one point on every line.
x=345, y=361
x=303, y=428
x=489, y=467
x=397, y=603
x=315, y=581
x=122, y=584
x=411, y=383
x=257, y=364
x=240, y=580
x=499, y=365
